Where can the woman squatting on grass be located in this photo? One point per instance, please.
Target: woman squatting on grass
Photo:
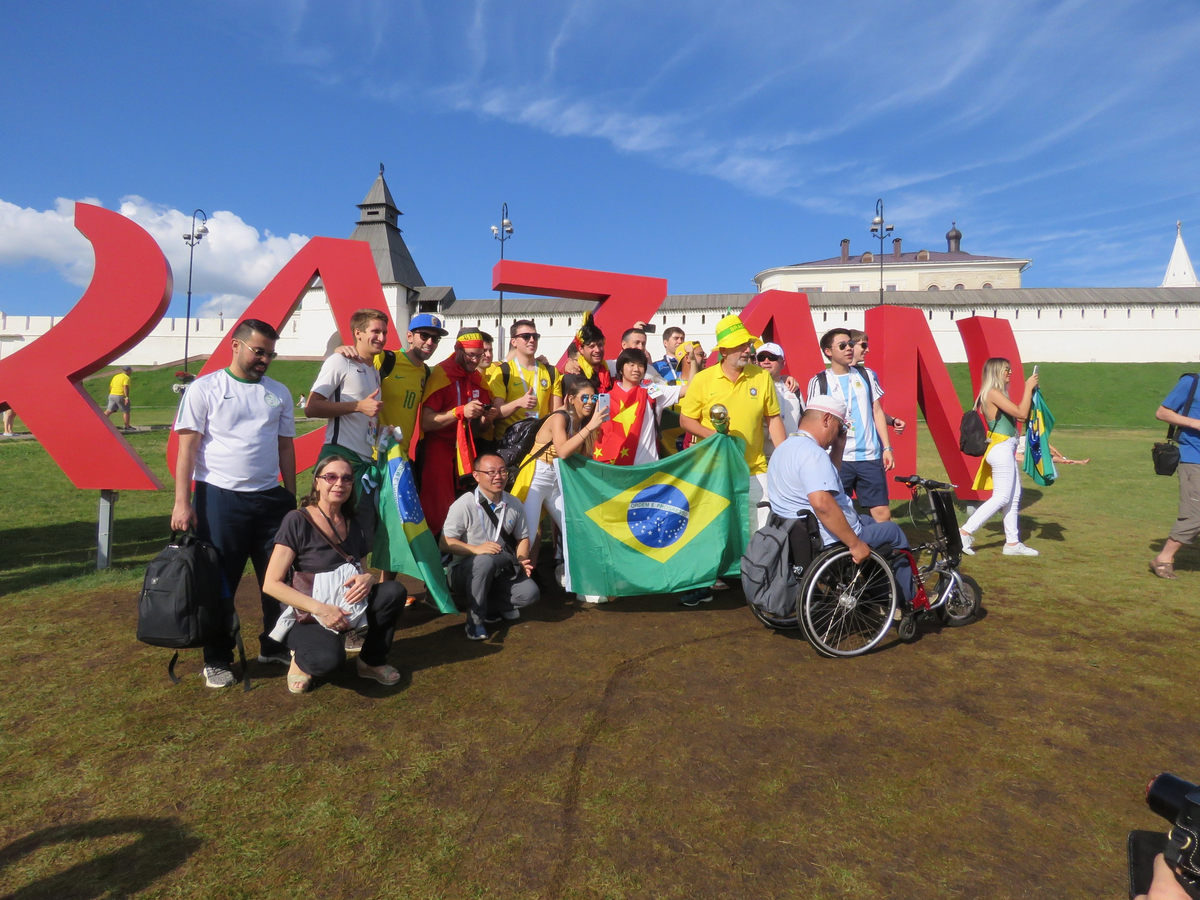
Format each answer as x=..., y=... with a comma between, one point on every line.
x=999, y=464
x=315, y=571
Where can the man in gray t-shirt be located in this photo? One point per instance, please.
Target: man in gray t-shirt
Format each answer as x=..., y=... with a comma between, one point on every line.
x=487, y=534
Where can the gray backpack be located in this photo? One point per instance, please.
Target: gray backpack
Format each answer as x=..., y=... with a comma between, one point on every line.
x=768, y=580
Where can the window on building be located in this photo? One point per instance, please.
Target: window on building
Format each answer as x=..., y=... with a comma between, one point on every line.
x=891, y=287
x=987, y=285
x=922, y=256
x=684, y=320
x=701, y=322
x=933, y=287
x=1060, y=313
x=824, y=317
x=960, y=287
x=1017, y=314
x=845, y=317
x=551, y=323
x=809, y=290
x=868, y=257
x=951, y=315
x=931, y=315
x=664, y=320
x=854, y=288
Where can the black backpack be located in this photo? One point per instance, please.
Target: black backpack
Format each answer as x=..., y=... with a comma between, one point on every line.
x=389, y=363
x=517, y=443
x=181, y=600
x=972, y=433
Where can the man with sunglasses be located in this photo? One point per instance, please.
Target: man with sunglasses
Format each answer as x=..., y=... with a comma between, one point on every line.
x=346, y=393
x=488, y=535
x=770, y=359
x=523, y=384
x=236, y=431
x=867, y=457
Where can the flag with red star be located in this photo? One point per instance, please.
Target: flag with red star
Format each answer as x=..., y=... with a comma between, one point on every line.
x=618, y=438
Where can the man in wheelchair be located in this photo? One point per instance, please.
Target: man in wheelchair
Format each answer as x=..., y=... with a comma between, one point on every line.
x=802, y=475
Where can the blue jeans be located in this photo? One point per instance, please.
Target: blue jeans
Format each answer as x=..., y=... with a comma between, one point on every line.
x=242, y=526
x=875, y=534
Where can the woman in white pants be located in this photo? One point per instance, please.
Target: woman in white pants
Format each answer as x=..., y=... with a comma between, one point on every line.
x=999, y=466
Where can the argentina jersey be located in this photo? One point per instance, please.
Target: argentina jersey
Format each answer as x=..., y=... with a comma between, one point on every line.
x=862, y=438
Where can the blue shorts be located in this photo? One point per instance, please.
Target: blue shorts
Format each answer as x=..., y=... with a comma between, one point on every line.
x=866, y=481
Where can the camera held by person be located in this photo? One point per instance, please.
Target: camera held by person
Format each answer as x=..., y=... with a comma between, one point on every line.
x=1178, y=802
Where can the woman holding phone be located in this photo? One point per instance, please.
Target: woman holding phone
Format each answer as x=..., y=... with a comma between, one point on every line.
x=999, y=470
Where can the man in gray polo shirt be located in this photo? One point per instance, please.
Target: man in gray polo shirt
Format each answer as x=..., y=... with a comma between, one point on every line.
x=802, y=476
x=488, y=535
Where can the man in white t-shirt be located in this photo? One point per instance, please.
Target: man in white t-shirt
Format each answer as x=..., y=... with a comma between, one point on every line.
x=867, y=456
x=771, y=360
x=346, y=393
x=236, y=433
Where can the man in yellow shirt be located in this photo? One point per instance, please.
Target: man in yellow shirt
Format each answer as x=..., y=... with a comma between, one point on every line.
x=748, y=392
x=523, y=380
x=118, y=395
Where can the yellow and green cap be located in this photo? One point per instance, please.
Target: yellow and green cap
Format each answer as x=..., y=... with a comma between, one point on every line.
x=732, y=333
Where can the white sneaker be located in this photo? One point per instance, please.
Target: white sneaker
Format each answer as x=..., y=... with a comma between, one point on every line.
x=218, y=677
x=510, y=615
x=560, y=575
x=967, y=541
x=592, y=598
x=1019, y=549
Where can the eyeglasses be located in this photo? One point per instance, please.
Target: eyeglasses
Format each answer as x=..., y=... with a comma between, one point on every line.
x=842, y=345
x=493, y=473
x=768, y=357
x=588, y=398
x=527, y=335
x=260, y=353
x=330, y=478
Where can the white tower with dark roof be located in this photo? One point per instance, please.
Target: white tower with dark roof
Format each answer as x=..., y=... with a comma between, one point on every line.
x=1180, y=273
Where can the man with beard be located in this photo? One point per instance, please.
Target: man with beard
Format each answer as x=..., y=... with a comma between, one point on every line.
x=456, y=402
x=236, y=433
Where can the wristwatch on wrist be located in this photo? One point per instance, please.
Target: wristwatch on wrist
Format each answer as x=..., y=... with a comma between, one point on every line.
x=887, y=450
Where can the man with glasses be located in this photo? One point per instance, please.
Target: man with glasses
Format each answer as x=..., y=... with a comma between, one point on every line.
x=803, y=476
x=487, y=534
x=457, y=405
x=346, y=393
x=770, y=359
x=236, y=432
x=867, y=457
x=523, y=384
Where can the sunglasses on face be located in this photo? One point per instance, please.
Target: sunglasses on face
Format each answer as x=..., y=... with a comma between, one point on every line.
x=426, y=336
x=588, y=398
x=863, y=344
x=260, y=353
x=527, y=335
x=767, y=357
x=842, y=345
x=331, y=479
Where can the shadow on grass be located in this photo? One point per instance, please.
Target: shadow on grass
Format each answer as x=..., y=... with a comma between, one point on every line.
x=158, y=846
x=47, y=554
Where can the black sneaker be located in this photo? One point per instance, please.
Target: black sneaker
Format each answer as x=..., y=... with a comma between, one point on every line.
x=696, y=597
x=476, y=632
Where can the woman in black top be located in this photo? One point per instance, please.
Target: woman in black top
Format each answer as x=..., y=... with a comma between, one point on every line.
x=321, y=537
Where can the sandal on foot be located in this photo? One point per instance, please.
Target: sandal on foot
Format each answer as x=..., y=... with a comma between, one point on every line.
x=298, y=682
x=1163, y=569
x=384, y=675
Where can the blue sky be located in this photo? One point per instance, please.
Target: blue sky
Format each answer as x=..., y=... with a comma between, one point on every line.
x=701, y=141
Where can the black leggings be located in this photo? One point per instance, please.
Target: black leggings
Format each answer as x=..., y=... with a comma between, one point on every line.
x=319, y=651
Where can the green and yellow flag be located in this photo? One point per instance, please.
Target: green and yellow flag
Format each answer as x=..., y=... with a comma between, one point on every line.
x=673, y=525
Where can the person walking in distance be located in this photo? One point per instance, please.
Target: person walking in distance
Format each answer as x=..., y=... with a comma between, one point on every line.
x=346, y=393
x=1178, y=411
x=867, y=456
x=998, y=470
x=236, y=433
x=118, y=395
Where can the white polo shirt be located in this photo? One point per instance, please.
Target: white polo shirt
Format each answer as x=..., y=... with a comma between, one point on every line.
x=342, y=380
x=240, y=423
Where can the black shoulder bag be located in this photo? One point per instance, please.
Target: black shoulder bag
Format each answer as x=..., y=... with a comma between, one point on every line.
x=1166, y=453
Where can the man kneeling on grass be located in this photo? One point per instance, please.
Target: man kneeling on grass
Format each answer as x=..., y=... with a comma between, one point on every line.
x=487, y=533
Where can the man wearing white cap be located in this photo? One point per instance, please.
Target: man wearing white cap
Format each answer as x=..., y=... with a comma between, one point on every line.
x=803, y=476
x=770, y=359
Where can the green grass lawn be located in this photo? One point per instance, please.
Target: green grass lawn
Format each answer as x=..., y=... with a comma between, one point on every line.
x=638, y=749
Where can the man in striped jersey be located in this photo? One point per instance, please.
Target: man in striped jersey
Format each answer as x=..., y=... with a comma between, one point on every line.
x=867, y=456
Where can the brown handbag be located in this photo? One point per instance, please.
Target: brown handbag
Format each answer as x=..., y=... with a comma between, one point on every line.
x=303, y=581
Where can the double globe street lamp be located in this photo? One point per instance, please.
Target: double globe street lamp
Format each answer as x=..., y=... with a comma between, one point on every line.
x=880, y=230
x=502, y=232
x=195, y=236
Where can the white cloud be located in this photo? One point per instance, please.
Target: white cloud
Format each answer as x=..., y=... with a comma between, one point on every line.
x=233, y=262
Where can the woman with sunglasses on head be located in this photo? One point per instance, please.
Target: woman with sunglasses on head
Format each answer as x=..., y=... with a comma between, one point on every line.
x=998, y=470
x=315, y=571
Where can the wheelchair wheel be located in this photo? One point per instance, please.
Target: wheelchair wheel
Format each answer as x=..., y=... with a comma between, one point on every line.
x=960, y=603
x=770, y=621
x=846, y=608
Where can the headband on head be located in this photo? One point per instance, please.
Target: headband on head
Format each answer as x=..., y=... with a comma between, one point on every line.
x=471, y=340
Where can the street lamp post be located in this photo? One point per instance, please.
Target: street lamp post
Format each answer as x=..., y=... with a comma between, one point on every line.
x=502, y=233
x=880, y=230
x=192, y=239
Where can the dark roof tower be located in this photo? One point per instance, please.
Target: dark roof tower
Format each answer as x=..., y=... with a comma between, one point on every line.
x=377, y=226
x=953, y=239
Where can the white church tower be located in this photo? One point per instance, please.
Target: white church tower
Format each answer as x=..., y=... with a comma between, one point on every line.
x=1180, y=273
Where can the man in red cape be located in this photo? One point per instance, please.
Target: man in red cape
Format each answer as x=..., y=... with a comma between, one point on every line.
x=455, y=400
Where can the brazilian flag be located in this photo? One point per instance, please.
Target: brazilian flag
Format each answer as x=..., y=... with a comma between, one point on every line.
x=403, y=542
x=1039, y=463
x=673, y=525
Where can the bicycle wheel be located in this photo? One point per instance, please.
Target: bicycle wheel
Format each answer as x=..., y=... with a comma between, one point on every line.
x=847, y=608
x=960, y=601
x=919, y=513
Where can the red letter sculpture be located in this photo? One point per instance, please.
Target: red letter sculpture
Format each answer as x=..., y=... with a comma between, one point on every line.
x=351, y=282
x=785, y=318
x=624, y=299
x=128, y=294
